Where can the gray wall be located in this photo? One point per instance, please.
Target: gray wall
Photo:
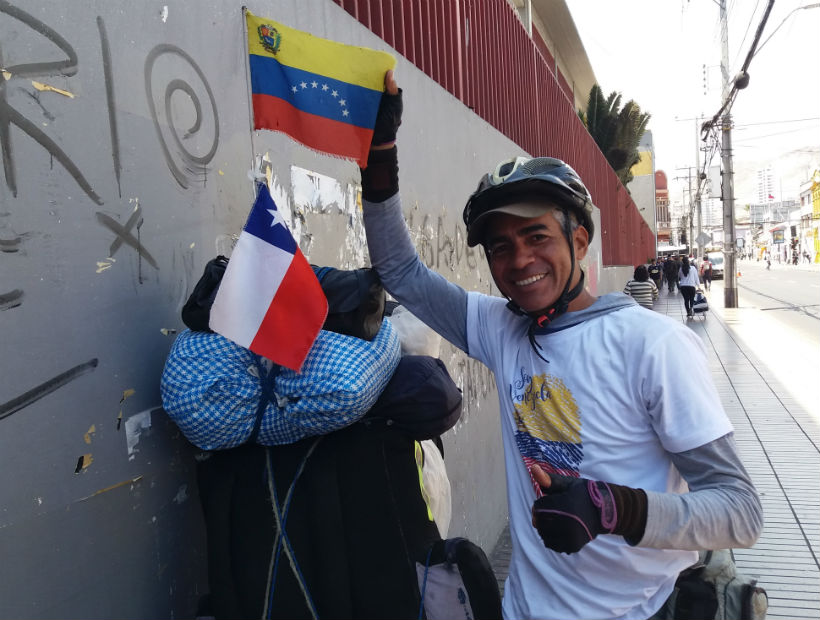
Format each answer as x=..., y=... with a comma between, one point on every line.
x=117, y=188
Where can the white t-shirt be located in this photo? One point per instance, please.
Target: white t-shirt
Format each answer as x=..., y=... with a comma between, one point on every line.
x=611, y=403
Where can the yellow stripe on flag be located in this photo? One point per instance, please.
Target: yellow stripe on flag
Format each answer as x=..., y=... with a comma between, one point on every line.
x=301, y=50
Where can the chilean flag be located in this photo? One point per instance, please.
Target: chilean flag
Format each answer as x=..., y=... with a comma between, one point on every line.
x=269, y=300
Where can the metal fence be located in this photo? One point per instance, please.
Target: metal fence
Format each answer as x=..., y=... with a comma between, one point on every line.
x=479, y=51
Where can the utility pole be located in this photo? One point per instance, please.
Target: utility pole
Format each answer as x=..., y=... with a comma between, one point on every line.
x=697, y=193
x=730, y=271
x=691, y=238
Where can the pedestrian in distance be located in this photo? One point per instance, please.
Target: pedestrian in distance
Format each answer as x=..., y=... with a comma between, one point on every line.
x=670, y=272
x=706, y=272
x=656, y=272
x=641, y=288
x=689, y=281
x=602, y=431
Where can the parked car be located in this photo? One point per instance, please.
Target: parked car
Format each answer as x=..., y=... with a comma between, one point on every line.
x=716, y=258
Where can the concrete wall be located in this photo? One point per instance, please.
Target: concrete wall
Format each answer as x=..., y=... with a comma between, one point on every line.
x=126, y=143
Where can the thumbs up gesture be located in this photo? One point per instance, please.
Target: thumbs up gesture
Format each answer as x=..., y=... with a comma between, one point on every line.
x=572, y=511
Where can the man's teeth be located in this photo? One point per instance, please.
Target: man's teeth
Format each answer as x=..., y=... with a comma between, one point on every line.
x=530, y=280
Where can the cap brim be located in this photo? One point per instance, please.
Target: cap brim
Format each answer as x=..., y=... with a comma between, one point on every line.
x=525, y=211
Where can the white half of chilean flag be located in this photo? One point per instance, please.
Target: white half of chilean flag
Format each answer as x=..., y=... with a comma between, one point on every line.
x=269, y=300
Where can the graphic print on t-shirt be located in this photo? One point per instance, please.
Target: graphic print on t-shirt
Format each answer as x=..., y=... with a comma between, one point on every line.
x=548, y=424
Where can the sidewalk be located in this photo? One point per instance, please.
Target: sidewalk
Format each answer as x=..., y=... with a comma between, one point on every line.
x=779, y=443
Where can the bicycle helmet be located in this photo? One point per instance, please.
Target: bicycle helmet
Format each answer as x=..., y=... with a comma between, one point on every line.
x=527, y=180
x=528, y=187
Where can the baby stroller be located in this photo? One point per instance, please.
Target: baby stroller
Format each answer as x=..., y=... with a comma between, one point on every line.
x=700, y=306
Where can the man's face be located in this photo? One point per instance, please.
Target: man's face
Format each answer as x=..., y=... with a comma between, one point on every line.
x=530, y=258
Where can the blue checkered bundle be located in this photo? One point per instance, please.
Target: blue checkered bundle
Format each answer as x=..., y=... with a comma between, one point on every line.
x=211, y=388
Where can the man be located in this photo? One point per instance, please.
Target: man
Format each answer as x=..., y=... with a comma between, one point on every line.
x=670, y=272
x=656, y=272
x=601, y=427
x=706, y=272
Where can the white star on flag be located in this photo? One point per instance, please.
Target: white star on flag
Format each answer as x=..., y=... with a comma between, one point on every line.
x=345, y=113
x=314, y=84
x=335, y=93
x=277, y=218
x=294, y=89
x=325, y=86
x=303, y=84
x=341, y=101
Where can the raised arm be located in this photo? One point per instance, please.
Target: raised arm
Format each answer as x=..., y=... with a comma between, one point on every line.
x=437, y=302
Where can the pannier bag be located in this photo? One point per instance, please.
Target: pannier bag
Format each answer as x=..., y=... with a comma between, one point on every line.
x=456, y=581
x=197, y=310
x=713, y=589
x=421, y=399
x=211, y=388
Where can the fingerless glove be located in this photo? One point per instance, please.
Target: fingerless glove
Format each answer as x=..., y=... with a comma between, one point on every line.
x=573, y=511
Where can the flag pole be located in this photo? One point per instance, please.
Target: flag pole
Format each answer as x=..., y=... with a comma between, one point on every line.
x=248, y=87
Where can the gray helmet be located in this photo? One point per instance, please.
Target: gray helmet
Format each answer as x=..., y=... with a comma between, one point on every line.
x=527, y=180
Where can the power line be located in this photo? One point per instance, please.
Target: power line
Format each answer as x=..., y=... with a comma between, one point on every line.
x=791, y=120
x=742, y=79
x=751, y=19
x=771, y=135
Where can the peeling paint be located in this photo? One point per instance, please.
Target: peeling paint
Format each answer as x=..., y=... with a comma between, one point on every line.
x=83, y=462
x=182, y=494
x=6, y=75
x=134, y=427
x=52, y=89
x=167, y=331
x=105, y=264
x=163, y=15
x=91, y=431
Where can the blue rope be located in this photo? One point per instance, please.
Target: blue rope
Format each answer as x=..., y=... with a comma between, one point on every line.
x=424, y=583
x=283, y=537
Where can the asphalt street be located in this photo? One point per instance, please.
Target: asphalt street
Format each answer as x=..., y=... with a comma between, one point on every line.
x=778, y=317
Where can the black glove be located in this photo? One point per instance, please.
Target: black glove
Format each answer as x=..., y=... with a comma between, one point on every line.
x=380, y=179
x=388, y=119
x=573, y=511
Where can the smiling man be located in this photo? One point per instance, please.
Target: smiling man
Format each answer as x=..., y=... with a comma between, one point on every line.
x=620, y=460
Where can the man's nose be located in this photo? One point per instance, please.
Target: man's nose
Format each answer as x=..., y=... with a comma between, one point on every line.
x=522, y=255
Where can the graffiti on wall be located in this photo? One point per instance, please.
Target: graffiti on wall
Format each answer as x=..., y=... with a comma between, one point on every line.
x=175, y=87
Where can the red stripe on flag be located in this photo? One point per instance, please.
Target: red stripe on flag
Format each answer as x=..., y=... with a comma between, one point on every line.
x=294, y=318
x=316, y=132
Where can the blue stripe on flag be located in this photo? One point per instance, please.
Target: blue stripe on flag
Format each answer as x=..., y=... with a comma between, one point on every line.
x=269, y=227
x=315, y=94
x=559, y=454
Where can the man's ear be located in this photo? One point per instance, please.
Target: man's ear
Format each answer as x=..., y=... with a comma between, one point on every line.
x=580, y=238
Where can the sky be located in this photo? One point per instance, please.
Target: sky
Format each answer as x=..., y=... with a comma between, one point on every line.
x=654, y=51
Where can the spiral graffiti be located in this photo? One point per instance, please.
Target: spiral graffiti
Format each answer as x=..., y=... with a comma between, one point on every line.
x=195, y=146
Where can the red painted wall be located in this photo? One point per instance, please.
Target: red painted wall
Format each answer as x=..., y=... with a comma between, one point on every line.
x=479, y=51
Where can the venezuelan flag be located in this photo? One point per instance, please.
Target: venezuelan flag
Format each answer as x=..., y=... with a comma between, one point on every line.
x=321, y=93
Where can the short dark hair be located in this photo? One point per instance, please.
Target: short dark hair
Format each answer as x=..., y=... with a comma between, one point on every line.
x=641, y=273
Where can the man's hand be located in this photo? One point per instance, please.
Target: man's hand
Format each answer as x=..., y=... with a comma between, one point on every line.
x=388, y=117
x=572, y=511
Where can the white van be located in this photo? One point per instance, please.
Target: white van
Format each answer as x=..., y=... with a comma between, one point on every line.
x=716, y=258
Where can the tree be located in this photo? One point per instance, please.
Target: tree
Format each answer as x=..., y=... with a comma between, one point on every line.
x=617, y=131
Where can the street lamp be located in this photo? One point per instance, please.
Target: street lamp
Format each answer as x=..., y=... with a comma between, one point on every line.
x=816, y=5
